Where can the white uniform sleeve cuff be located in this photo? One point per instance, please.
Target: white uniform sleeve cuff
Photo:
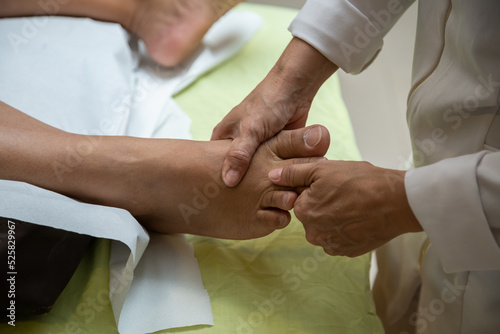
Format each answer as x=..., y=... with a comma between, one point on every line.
x=445, y=198
x=348, y=35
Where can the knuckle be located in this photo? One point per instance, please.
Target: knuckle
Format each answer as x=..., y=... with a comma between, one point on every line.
x=288, y=173
x=330, y=251
x=228, y=127
x=219, y=131
x=301, y=211
x=312, y=237
x=239, y=156
x=286, y=139
x=352, y=255
x=306, y=214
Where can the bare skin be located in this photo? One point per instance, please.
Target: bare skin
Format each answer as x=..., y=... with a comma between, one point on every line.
x=170, y=29
x=170, y=186
x=281, y=101
x=173, y=29
x=349, y=207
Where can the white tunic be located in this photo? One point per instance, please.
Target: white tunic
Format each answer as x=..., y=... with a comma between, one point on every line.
x=454, y=119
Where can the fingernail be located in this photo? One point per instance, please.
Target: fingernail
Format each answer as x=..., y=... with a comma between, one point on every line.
x=313, y=136
x=275, y=174
x=285, y=198
x=231, y=178
x=283, y=221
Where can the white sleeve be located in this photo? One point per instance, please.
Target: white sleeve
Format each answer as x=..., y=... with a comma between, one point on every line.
x=457, y=202
x=347, y=32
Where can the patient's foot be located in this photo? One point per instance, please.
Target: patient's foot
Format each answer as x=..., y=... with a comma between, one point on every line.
x=173, y=29
x=171, y=186
x=181, y=191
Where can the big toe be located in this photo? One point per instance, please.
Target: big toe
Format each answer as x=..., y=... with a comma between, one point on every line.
x=311, y=141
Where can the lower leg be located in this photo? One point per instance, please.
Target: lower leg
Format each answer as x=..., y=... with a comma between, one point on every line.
x=119, y=11
x=170, y=186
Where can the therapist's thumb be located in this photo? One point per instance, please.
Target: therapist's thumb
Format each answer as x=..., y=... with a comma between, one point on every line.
x=238, y=159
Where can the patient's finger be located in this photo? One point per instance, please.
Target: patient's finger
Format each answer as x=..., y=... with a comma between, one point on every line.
x=280, y=199
x=312, y=141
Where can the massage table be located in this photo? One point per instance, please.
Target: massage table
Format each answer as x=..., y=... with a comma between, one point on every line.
x=276, y=284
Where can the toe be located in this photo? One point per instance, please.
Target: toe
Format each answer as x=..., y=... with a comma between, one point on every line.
x=312, y=141
x=274, y=219
x=280, y=199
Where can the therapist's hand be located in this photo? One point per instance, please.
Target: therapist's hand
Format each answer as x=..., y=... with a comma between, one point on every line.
x=349, y=208
x=281, y=101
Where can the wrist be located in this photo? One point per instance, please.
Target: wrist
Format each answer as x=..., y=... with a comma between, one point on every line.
x=404, y=217
x=302, y=69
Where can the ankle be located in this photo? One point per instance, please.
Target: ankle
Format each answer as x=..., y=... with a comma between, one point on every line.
x=221, y=7
x=129, y=15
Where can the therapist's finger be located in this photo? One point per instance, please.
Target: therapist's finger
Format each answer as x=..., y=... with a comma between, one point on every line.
x=297, y=175
x=238, y=158
x=226, y=129
x=312, y=141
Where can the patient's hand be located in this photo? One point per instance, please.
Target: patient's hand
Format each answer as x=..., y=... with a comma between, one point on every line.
x=182, y=191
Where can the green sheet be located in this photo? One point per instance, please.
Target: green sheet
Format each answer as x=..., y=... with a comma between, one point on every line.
x=277, y=284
